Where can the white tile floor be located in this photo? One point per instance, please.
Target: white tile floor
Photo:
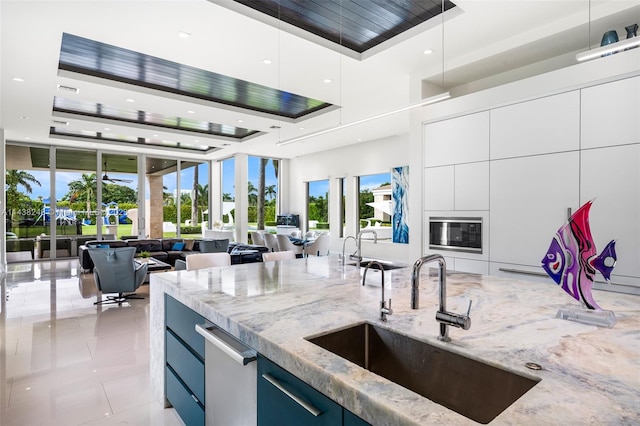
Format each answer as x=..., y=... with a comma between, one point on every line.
x=65, y=361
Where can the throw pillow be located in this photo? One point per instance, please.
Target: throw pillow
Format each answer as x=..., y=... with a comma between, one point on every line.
x=188, y=244
x=177, y=246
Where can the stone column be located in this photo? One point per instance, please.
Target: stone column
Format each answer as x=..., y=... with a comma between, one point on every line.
x=155, y=206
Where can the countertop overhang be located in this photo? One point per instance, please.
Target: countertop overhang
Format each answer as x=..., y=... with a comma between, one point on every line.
x=589, y=375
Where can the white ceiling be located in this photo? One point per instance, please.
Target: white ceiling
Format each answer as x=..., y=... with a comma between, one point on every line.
x=485, y=43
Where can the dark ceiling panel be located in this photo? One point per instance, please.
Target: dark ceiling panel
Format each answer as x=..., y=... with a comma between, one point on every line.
x=96, y=110
x=355, y=24
x=102, y=60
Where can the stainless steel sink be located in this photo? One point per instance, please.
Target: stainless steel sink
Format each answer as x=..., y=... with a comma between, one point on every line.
x=472, y=388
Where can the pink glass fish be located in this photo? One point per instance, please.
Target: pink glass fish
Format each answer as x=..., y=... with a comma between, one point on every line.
x=572, y=260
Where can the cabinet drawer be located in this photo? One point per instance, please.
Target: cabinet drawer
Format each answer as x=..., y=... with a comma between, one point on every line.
x=276, y=407
x=190, y=411
x=182, y=321
x=186, y=365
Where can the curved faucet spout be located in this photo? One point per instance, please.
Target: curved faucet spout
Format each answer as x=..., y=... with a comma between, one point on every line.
x=359, y=240
x=384, y=310
x=442, y=316
x=350, y=237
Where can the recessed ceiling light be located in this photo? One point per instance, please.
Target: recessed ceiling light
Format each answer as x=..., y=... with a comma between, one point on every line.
x=301, y=128
x=240, y=120
x=191, y=112
x=130, y=100
x=184, y=34
x=359, y=139
x=197, y=140
x=428, y=51
x=24, y=117
x=27, y=137
x=107, y=129
x=327, y=80
x=155, y=136
x=18, y=79
x=64, y=88
x=266, y=61
x=204, y=146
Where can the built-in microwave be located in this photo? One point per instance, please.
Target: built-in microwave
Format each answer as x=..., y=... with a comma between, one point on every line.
x=456, y=233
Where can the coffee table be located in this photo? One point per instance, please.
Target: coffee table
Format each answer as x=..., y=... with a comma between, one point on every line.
x=154, y=265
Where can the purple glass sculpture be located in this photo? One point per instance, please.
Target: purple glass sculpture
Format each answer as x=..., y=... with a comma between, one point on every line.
x=572, y=261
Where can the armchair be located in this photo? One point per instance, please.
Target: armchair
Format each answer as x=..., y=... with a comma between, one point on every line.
x=320, y=247
x=285, y=244
x=115, y=271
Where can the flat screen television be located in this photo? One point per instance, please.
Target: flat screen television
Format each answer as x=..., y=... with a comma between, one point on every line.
x=292, y=220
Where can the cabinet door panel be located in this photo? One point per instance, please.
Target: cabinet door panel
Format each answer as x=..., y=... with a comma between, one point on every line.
x=458, y=140
x=439, y=188
x=610, y=114
x=351, y=419
x=472, y=186
x=529, y=201
x=540, y=126
x=186, y=365
x=611, y=176
x=191, y=413
x=182, y=321
x=275, y=408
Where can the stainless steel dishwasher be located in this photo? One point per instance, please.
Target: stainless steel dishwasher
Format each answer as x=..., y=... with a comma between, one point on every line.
x=230, y=379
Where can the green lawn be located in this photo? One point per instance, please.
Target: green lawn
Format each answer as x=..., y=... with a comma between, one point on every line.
x=126, y=230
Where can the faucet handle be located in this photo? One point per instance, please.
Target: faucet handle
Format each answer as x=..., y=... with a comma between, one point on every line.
x=469, y=308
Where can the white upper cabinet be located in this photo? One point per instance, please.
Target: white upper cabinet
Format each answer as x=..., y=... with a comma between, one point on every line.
x=541, y=126
x=529, y=201
x=439, y=188
x=611, y=114
x=462, y=139
x=472, y=186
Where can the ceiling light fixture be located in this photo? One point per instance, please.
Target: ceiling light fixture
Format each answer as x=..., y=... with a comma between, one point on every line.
x=428, y=51
x=64, y=88
x=427, y=101
x=609, y=49
x=130, y=100
x=18, y=79
x=266, y=61
x=184, y=34
x=327, y=80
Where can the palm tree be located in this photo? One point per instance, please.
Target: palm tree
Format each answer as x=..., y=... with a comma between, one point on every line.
x=87, y=184
x=270, y=192
x=194, y=198
x=261, y=192
x=203, y=198
x=252, y=194
x=13, y=179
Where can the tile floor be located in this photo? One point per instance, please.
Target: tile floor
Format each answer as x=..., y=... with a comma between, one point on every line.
x=65, y=361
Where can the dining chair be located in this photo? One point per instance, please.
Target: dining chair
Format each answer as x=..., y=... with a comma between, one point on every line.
x=285, y=244
x=278, y=255
x=207, y=260
x=271, y=242
x=256, y=238
x=320, y=247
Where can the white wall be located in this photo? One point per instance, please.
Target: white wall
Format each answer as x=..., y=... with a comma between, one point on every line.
x=349, y=162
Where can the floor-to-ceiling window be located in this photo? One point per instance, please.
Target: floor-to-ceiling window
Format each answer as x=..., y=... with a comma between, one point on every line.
x=318, y=205
x=262, y=192
x=374, y=202
x=228, y=191
x=120, y=196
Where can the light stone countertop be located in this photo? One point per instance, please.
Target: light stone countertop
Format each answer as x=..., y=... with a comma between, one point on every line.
x=589, y=375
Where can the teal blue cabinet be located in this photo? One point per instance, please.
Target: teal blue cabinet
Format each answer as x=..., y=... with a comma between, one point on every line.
x=184, y=367
x=285, y=400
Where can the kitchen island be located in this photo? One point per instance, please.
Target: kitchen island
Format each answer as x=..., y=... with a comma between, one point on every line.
x=589, y=375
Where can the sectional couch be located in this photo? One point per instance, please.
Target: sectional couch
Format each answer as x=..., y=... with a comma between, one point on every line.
x=165, y=250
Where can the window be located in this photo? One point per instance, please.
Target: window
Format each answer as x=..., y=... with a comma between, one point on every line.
x=262, y=191
x=318, y=205
x=374, y=203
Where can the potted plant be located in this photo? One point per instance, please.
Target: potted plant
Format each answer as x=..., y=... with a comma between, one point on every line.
x=145, y=254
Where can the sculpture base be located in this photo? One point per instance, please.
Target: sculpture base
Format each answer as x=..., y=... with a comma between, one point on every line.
x=588, y=316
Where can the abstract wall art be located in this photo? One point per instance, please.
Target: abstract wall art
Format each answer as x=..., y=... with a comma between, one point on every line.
x=400, y=195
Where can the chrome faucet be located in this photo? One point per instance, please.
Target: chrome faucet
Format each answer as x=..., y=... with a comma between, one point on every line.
x=343, y=245
x=358, y=254
x=442, y=316
x=384, y=310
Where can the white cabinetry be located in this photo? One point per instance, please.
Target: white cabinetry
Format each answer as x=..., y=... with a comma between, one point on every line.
x=439, y=188
x=529, y=201
x=472, y=186
x=459, y=140
x=545, y=125
x=611, y=176
x=610, y=114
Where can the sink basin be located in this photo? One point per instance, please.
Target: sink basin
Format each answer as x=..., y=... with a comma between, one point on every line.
x=472, y=388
